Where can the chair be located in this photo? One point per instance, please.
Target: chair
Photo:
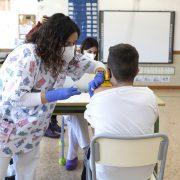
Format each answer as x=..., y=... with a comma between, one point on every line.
x=134, y=151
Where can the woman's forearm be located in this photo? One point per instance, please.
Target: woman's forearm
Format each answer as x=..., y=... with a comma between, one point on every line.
x=31, y=99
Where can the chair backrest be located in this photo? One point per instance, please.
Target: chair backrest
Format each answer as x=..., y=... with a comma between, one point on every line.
x=133, y=151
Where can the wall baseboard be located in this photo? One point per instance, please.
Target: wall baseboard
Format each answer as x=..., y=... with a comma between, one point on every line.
x=176, y=52
x=6, y=50
x=164, y=87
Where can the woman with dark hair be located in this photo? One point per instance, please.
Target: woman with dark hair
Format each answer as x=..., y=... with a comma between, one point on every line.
x=53, y=130
x=77, y=125
x=31, y=81
x=90, y=47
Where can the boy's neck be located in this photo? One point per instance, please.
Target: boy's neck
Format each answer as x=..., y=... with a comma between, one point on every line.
x=119, y=84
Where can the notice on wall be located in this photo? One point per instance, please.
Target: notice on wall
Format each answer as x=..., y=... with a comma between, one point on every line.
x=26, y=23
x=85, y=15
x=157, y=70
x=153, y=78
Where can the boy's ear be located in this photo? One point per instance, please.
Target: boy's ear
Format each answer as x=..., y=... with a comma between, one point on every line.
x=109, y=73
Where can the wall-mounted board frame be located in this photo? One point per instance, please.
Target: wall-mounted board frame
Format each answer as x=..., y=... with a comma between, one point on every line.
x=151, y=32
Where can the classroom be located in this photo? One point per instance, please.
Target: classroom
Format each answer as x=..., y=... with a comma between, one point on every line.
x=89, y=90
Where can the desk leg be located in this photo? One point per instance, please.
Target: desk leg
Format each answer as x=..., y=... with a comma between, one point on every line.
x=156, y=126
x=62, y=160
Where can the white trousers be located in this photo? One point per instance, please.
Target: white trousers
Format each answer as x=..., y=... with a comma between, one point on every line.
x=25, y=164
x=78, y=134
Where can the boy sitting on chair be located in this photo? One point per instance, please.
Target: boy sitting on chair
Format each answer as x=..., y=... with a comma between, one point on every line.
x=122, y=109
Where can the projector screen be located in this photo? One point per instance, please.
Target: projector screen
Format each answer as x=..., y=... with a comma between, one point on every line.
x=151, y=32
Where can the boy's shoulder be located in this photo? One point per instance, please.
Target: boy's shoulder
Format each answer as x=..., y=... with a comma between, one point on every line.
x=124, y=91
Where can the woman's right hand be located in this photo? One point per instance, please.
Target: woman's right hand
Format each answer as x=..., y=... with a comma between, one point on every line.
x=61, y=94
x=95, y=83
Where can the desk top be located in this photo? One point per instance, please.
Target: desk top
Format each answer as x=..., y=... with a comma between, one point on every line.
x=77, y=100
x=83, y=99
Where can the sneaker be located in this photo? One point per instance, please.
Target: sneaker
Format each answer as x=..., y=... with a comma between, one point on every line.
x=51, y=134
x=56, y=128
x=71, y=164
x=10, y=177
x=54, y=124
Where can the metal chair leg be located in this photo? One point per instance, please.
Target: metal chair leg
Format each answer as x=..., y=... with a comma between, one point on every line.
x=62, y=160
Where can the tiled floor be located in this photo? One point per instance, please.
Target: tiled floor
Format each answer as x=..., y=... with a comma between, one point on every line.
x=49, y=169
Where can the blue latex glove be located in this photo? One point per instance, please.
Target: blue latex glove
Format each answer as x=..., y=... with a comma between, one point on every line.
x=60, y=94
x=95, y=83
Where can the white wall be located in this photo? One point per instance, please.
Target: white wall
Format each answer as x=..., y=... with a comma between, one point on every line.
x=50, y=7
x=45, y=7
x=8, y=30
x=9, y=19
x=24, y=7
x=163, y=5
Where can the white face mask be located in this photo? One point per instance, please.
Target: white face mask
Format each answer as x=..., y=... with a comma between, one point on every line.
x=69, y=53
x=90, y=55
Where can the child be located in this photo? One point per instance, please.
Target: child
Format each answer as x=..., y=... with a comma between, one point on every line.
x=122, y=109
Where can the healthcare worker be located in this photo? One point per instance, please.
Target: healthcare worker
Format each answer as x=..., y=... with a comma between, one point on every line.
x=53, y=130
x=77, y=125
x=31, y=81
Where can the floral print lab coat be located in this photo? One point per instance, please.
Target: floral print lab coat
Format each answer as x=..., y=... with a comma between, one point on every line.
x=21, y=128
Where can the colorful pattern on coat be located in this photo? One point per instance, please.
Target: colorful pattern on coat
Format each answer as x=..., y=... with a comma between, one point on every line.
x=22, y=72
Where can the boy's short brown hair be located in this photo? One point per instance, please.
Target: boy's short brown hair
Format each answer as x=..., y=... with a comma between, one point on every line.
x=123, y=62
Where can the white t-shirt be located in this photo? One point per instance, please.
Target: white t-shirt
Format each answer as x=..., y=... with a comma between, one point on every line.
x=122, y=111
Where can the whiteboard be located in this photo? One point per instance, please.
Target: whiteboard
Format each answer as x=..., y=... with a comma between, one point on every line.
x=151, y=32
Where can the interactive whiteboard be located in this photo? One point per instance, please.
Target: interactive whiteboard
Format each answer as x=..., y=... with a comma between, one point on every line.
x=151, y=32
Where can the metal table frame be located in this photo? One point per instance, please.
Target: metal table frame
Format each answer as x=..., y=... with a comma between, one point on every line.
x=66, y=110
